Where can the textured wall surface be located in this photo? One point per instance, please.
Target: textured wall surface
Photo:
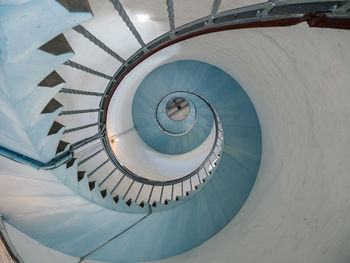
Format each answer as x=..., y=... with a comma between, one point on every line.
x=298, y=79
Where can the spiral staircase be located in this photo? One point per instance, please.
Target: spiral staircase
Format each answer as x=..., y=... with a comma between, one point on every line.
x=95, y=168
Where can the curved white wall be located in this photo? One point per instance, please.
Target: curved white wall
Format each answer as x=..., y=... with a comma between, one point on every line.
x=298, y=79
x=32, y=251
x=130, y=149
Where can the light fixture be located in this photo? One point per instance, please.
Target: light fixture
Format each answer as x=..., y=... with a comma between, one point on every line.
x=143, y=18
x=113, y=140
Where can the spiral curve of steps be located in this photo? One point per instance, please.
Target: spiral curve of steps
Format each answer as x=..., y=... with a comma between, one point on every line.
x=85, y=208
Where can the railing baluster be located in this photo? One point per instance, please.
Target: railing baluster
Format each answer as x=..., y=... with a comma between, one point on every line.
x=149, y=198
x=215, y=154
x=138, y=194
x=211, y=164
x=86, y=69
x=86, y=141
x=106, y=178
x=97, y=168
x=89, y=157
x=170, y=9
x=205, y=170
x=128, y=189
x=81, y=92
x=118, y=6
x=80, y=29
x=115, y=187
x=215, y=7
x=172, y=192
x=71, y=112
x=161, y=194
x=206, y=164
x=80, y=127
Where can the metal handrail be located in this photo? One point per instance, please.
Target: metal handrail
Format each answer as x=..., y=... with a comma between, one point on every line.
x=135, y=177
x=272, y=13
x=267, y=14
x=56, y=162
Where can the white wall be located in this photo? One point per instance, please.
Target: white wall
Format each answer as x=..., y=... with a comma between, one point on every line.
x=31, y=251
x=130, y=148
x=298, y=79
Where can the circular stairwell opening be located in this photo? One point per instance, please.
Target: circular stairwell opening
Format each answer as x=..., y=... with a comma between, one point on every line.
x=176, y=113
x=178, y=109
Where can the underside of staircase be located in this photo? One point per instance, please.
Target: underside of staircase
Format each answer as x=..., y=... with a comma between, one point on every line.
x=94, y=170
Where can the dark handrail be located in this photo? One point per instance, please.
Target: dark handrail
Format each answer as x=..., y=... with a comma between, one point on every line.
x=21, y=158
x=135, y=177
x=267, y=14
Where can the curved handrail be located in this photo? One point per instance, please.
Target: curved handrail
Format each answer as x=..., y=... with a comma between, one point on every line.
x=135, y=177
x=317, y=13
x=52, y=164
x=268, y=14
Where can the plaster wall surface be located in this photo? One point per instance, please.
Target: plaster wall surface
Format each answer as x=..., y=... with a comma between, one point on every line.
x=32, y=251
x=130, y=149
x=38, y=204
x=298, y=79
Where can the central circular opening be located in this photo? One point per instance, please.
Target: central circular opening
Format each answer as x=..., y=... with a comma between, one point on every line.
x=176, y=113
x=178, y=109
